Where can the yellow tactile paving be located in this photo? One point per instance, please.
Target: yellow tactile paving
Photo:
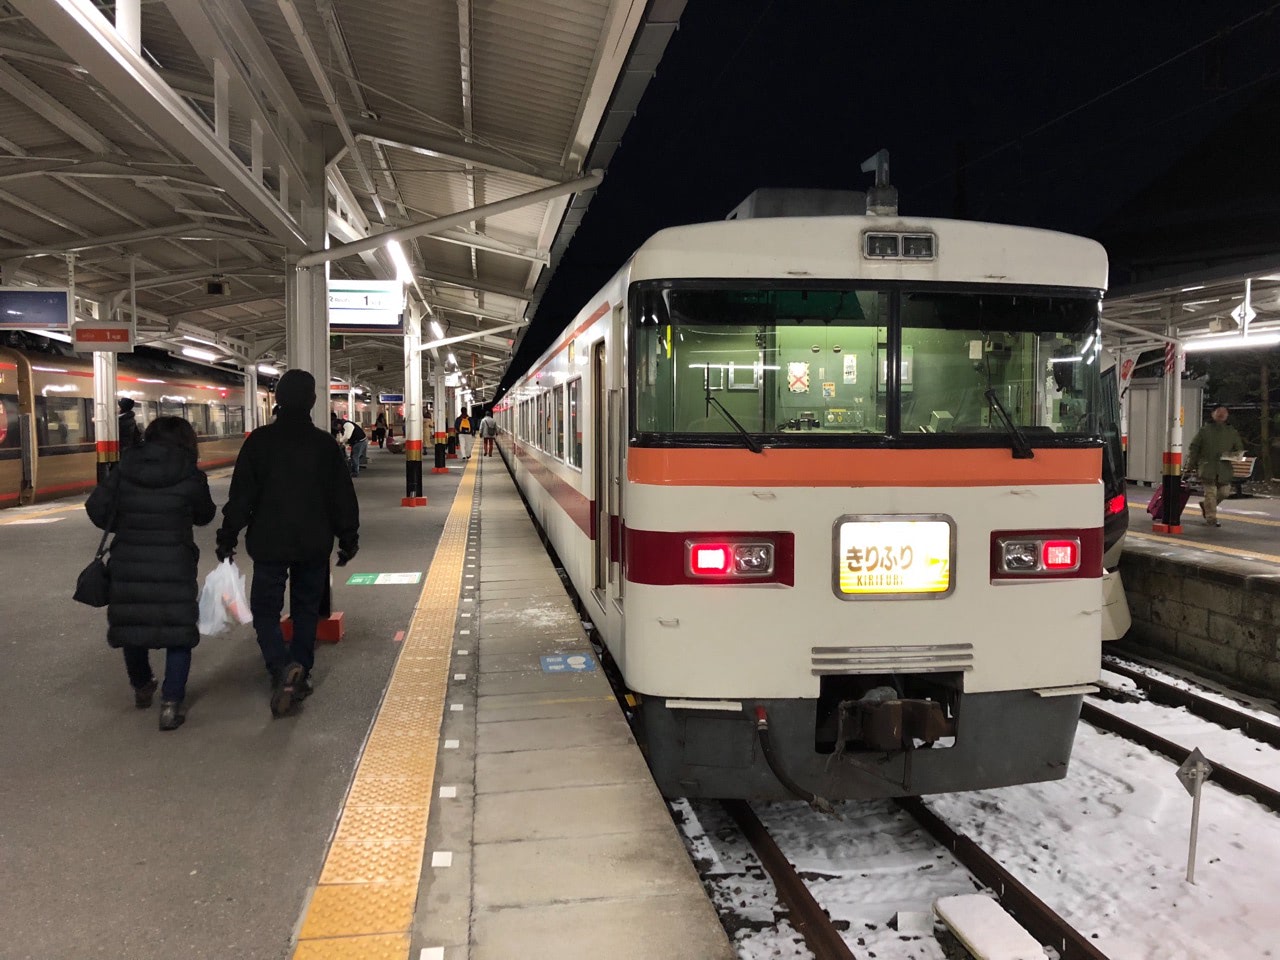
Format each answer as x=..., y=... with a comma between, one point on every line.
x=369, y=822
x=386, y=947
x=372, y=861
x=1240, y=552
x=359, y=909
x=363, y=905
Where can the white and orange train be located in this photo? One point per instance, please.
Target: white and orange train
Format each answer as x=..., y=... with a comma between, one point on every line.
x=831, y=490
x=55, y=453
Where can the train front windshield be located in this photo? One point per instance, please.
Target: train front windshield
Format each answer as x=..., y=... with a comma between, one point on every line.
x=805, y=364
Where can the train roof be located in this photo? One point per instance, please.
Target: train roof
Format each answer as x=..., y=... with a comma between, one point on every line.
x=831, y=248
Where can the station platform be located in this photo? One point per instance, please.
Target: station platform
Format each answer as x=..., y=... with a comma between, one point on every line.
x=1250, y=526
x=462, y=784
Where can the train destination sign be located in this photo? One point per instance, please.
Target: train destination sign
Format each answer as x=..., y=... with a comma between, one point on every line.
x=893, y=557
x=366, y=306
x=35, y=308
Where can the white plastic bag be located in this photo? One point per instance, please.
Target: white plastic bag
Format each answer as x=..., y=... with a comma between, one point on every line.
x=222, y=599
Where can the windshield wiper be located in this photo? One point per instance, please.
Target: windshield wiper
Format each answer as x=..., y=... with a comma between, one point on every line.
x=751, y=442
x=1021, y=449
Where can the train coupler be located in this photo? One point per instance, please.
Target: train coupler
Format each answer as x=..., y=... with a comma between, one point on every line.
x=891, y=723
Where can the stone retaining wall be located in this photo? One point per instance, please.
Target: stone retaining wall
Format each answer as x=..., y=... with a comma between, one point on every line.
x=1220, y=615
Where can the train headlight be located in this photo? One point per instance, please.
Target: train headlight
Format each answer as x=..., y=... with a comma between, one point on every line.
x=753, y=559
x=1020, y=556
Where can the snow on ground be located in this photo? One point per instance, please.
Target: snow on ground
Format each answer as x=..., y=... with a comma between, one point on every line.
x=1106, y=848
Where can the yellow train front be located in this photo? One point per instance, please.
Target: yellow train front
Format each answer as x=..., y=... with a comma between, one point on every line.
x=831, y=493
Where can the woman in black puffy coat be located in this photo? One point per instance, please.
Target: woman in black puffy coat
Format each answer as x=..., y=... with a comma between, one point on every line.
x=152, y=499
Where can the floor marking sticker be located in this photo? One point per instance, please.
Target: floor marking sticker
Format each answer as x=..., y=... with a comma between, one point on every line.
x=448, y=793
x=399, y=636
x=383, y=579
x=442, y=858
x=568, y=663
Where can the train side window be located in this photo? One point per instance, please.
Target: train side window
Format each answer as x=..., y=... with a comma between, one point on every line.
x=150, y=410
x=9, y=434
x=62, y=421
x=198, y=414
x=575, y=424
x=558, y=427
x=235, y=421
x=173, y=408
x=218, y=419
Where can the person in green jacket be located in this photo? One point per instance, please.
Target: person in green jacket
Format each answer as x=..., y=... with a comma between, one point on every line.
x=1214, y=441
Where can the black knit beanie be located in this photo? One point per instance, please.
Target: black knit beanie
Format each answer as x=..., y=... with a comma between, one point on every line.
x=125, y=404
x=296, y=390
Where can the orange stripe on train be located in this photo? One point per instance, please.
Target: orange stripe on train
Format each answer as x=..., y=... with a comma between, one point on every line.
x=859, y=468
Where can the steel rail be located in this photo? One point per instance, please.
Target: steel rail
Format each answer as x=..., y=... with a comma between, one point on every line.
x=1036, y=916
x=1169, y=695
x=1224, y=776
x=823, y=939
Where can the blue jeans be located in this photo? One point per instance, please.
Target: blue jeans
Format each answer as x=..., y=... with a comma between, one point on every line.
x=358, y=450
x=177, y=667
x=307, y=582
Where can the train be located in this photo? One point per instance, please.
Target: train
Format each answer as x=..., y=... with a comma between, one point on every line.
x=56, y=455
x=835, y=492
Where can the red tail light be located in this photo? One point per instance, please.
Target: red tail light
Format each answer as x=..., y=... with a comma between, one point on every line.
x=710, y=559
x=1116, y=504
x=1059, y=555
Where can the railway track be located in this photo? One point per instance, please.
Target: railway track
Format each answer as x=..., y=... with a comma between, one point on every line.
x=827, y=943
x=1158, y=691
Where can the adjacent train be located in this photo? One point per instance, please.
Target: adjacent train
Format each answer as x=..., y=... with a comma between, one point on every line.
x=831, y=489
x=54, y=455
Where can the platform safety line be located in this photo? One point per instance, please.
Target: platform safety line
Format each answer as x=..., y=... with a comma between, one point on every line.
x=363, y=906
x=19, y=517
x=1213, y=547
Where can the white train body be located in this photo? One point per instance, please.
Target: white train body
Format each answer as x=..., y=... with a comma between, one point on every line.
x=876, y=671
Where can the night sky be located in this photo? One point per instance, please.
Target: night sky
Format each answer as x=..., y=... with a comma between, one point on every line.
x=1047, y=115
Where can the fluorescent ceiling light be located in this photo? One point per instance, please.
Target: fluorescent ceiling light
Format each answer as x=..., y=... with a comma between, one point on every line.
x=269, y=370
x=51, y=334
x=453, y=359
x=208, y=343
x=404, y=272
x=437, y=330
x=1229, y=342
x=196, y=353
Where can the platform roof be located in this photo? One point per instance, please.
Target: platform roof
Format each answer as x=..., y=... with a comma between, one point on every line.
x=181, y=152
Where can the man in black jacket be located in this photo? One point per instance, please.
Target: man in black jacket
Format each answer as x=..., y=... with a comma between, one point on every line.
x=129, y=435
x=293, y=491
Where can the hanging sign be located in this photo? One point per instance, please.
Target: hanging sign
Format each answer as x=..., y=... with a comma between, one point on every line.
x=103, y=337
x=366, y=306
x=391, y=398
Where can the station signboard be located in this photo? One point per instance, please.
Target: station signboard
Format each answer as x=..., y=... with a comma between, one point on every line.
x=35, y=308
x=111, y=337
x=366, y=306
x=391, y=398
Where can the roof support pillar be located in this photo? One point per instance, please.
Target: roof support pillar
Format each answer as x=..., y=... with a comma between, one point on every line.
x=307, y=295
x=413, y=409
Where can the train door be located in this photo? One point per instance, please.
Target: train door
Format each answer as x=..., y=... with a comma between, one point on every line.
x=18, y=425
x=599, y=465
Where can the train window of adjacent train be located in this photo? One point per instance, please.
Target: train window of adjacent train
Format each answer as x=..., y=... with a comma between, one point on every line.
x=1036, y=355
x=235, y=421
x=198, y=414
x=558, y=426
x=575, y=424
x=218, y=419
x=150, y=410
x=173, y=408
x=9, y=433
x=62, y=420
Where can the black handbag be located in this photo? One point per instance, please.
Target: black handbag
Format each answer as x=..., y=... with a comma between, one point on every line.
x=93, y=586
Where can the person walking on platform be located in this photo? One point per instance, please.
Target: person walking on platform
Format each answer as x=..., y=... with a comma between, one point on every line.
x=463, y=427
x=488, y=430
x=292, y=489
x=130, y=435
x=152, y=500
x=1214, y=441
x=351, y=438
